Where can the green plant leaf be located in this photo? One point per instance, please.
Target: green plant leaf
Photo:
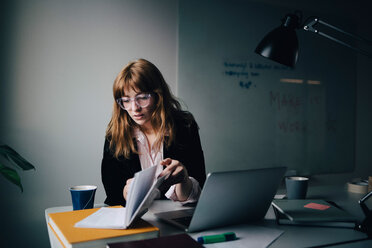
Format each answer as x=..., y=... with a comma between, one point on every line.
x=12, y=156
x=11, y=175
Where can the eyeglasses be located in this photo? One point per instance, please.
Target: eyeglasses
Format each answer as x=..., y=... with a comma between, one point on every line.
x=141, y=100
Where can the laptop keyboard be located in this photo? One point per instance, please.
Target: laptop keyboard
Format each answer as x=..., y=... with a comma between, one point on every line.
x=183, y=220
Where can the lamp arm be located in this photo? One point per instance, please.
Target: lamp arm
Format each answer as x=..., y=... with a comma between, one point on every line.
x=366, y=225
x=363, y=205
x=311, y=27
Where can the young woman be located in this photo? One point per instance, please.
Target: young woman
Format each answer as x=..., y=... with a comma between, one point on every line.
x=149, y=128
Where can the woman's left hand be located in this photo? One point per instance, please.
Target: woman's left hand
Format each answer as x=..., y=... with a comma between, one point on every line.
x=177, y=175
x=176, y=170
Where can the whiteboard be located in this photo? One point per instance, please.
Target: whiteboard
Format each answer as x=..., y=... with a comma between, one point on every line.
x=254, y=113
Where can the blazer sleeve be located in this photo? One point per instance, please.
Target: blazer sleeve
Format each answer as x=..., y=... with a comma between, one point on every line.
x=194, y=156
x=188, y=150
x=115, y=173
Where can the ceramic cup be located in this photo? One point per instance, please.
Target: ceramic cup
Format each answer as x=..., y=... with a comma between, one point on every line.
x=83, y=196
x=296, y=187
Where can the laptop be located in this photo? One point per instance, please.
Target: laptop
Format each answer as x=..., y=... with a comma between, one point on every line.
x=229, y=198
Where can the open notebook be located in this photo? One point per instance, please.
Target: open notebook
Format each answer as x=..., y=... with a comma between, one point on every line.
x=142, y=191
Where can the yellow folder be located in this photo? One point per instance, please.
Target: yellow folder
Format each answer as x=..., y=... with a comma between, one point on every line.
x=62, y=224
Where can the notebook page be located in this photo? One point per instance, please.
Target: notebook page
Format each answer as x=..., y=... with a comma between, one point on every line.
x=106, y=218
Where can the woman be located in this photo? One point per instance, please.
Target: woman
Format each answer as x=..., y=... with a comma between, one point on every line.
x=149, y=128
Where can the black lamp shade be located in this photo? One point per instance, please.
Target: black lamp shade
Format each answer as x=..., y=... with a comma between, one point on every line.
x=281, y=44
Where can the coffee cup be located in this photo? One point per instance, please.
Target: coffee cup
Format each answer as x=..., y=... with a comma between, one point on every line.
x=296, y=187
x=83, y=196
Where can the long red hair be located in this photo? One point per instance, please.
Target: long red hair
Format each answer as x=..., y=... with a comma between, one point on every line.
x=143, y=76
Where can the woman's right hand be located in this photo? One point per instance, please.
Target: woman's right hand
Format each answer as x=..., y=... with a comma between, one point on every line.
x=126, y=188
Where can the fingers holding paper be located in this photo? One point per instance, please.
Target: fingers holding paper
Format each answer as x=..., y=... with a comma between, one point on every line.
x=177, y=175
x=177, y=172
x=126, y=188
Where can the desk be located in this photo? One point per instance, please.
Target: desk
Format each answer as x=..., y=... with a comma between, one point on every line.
x=293, y=236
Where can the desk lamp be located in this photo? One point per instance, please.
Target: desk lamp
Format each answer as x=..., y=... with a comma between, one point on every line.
x=366, y=225
x=281, y=44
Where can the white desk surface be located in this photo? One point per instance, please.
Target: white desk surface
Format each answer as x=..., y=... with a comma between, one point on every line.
x=293, y=236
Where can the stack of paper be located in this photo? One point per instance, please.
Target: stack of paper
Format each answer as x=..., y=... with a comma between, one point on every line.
x=62, y=224
x=142, y=192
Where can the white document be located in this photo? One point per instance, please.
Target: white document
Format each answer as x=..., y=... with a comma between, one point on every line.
x=142, y=192
x=108, y=218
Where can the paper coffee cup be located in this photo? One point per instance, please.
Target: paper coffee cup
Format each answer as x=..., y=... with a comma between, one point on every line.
x=82, y=196
x=296, y=187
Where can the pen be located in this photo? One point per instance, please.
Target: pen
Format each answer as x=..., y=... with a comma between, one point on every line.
x=217, y=238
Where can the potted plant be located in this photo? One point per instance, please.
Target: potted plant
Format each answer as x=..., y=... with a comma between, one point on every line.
x=12, y=158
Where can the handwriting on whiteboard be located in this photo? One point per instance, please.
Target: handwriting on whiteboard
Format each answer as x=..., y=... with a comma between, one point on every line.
x=314, y=126
x=286, y=100
x=295, y=112
x=244, y=73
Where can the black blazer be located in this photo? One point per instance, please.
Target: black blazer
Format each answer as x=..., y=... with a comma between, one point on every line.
x=186, y=148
